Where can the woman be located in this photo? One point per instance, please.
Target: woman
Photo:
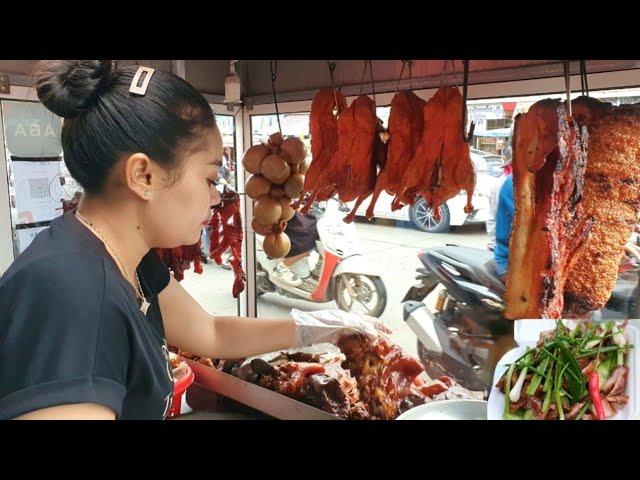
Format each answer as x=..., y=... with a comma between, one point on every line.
x=87, y=310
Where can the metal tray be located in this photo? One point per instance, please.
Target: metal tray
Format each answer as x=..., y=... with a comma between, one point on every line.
x=254, y=396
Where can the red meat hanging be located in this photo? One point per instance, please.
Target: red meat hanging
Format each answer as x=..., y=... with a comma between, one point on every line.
x=179, y=259
x=226, y=233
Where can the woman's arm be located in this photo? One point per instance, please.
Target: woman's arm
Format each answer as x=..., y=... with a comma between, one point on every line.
x=79, y=411
x=189, y=327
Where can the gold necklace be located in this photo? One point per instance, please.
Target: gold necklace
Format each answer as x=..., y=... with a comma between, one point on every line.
x=139, y=292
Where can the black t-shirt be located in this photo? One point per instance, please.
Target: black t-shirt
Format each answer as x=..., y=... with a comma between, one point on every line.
x=71, y=330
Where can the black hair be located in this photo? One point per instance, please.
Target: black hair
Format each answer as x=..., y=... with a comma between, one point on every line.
x=104, y=121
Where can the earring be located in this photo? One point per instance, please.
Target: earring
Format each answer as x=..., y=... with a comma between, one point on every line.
x=147, y=194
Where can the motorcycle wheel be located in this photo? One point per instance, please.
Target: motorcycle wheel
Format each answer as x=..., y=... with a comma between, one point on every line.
x=435, y=367
x=422, y=217
x=371, y=294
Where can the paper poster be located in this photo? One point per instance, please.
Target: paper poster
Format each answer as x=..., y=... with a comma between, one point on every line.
x=37, y=191
x=31, y=131
x=26, y=236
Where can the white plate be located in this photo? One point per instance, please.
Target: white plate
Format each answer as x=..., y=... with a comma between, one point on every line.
x=495, y=404
x=459, y=409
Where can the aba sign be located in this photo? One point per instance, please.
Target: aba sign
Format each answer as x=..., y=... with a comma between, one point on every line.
x=31, y=130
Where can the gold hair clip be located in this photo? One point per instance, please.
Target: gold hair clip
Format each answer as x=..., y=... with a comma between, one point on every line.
x=142, y=89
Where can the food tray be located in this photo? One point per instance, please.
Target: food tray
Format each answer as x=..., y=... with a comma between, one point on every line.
x=526, y=333
x=255, y=396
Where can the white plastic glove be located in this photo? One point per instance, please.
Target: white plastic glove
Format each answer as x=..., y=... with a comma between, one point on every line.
x=328, y=326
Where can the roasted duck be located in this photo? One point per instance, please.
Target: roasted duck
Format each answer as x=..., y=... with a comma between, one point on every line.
x=323, y=126
x=406, y=124
x=355, y=160
x=441, y=166
x=363, y=380
x=314, y=379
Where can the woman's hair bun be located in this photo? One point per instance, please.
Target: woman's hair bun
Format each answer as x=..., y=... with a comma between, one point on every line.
x=70, y=87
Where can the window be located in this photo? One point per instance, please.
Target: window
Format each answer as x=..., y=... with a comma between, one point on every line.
x=494, y=123
x=385, y=248
x=380, y=257
x=226, y=124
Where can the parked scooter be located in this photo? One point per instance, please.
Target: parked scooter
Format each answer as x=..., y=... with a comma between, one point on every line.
x=466, y=335
x=344, y=275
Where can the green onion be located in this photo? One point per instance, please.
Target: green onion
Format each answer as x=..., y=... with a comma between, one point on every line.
x=516, y=391
x=535, y=382
x=507, y=389
x=547, y=398
x=589, y=353
x=548, y=383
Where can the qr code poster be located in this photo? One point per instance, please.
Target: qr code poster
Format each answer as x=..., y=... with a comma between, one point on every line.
x=38, y=191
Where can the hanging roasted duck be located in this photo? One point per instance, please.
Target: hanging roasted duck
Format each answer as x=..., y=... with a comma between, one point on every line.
x=360, y=149
x=406, y=125
x=441, y=166
x=323, y=126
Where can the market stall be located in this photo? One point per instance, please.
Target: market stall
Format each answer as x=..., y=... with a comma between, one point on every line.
x=276, y=169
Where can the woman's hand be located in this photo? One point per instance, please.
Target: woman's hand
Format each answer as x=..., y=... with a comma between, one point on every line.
x=328, y=326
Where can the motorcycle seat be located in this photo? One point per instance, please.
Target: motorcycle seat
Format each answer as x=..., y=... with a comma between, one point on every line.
x=480, y=263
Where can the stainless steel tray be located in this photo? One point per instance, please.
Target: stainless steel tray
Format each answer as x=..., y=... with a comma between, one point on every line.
x=254, y=396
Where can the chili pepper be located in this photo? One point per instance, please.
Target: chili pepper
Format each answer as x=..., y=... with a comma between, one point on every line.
x=594, y=392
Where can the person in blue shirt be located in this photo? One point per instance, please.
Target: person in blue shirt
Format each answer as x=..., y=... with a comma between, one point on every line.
x=504, y=218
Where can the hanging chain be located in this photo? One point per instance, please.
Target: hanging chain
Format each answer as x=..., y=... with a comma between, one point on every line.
x=274, y=77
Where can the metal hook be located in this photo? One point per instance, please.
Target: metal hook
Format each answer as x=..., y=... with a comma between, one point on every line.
x=584, y=83
x=274, y=77
x=373, y=84
x=332, y=68
x=410, y=74
x=364, y=74
x=567, y=83
x=466, y=137
x=404, y=62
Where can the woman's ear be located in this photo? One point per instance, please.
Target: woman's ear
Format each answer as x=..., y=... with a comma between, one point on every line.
x=140, y=175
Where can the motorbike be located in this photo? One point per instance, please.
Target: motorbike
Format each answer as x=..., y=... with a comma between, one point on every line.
x=343, y=274
x=465, y=334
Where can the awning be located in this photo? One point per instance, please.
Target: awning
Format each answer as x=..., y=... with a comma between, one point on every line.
x=495, y=133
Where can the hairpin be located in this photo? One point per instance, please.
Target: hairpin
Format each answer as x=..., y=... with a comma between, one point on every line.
x=141, y=89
